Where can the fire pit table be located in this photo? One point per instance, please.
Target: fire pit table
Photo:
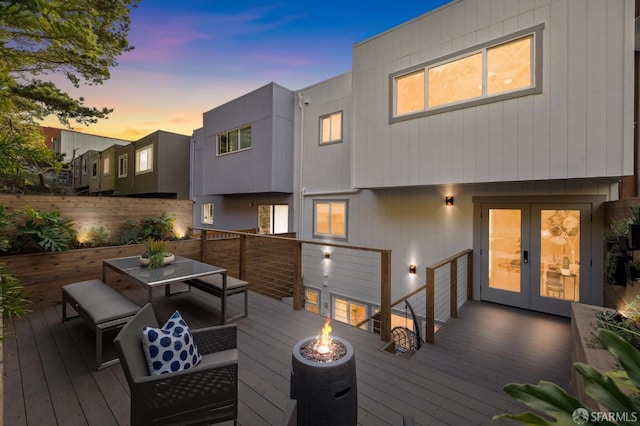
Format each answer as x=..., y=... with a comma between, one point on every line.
x=323, y=381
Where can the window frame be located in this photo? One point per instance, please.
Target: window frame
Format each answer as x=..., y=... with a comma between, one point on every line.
x=320, y=127
x=95, y=169
x=535, y=32
x=350, y=302
x=205, y=206
x=150, y=160
x=272, y=218
x=239, y=147
x=331, y=236
x=308, y=303
x=106, y=166
x=123, y=165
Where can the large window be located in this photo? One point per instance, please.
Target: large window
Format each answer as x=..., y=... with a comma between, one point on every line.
x=123, y=165
x=207, y=213
x=234, y=140
x=498, y=70
x=331, y=128
x=273, y=218
x=330, y=219
x=144, y=159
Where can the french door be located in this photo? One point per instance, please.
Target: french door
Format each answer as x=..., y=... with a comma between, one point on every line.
x=535, y=256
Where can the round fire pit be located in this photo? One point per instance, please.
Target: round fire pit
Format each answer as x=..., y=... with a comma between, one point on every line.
x=324, y=384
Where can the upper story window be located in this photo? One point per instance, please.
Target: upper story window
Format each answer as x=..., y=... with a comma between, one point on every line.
x=501, y=69
x=94, y=169
x=331, y=128
x=207, y=213
x=123, y=165
x=106, y=166
x=144, y=159
x=84, y=167
x=234, y=140
x=330, y=219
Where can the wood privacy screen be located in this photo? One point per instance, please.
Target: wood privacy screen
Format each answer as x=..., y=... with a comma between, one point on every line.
x=111, y=212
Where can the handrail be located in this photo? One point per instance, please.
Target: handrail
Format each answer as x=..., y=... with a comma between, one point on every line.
x=430, y=303
x=385, y=269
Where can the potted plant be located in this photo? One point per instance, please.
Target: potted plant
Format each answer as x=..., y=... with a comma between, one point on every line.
x=156, y=254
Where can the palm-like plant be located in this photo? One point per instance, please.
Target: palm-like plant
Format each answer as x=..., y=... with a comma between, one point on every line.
x=616, y=392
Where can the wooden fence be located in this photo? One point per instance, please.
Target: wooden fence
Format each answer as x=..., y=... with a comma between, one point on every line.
x=112, y=212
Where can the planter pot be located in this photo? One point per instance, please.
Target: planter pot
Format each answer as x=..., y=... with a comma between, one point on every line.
x=167, y=260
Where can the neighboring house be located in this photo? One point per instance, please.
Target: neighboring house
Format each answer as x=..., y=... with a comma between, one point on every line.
x=521, y=112
x=71, y=145
x=155, y=166
x=82, y=170
x=102, y=171
x=242, y=163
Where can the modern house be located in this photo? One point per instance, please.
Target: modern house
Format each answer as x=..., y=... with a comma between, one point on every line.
x=156, y=165
x=497, y=126
x=242, y=163
x=71, y=145
x=82, y=173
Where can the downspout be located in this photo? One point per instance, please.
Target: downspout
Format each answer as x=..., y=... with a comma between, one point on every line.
x=301, y=104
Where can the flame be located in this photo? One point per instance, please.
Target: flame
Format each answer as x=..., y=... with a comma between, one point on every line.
x=323, y=342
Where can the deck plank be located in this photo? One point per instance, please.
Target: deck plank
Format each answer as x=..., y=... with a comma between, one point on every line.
x=49, y=364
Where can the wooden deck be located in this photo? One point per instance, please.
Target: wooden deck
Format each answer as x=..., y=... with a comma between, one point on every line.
x=48, y=376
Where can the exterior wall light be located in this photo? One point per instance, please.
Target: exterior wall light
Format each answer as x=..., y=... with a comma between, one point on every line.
x=327, y=255
x=412, y=269
x=448, y=200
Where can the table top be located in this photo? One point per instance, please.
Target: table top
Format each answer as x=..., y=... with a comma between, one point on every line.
x=180, y=269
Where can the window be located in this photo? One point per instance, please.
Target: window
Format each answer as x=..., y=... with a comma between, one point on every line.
x=273, y=219
x=234, y=140
x=106, y=166
x=85, y=170
x=330, y=219
x=94, y=169
x=144, y=159
x=350, y=312
x=502, y=69
x=331, y=128
x=312, y=300
x=123, y=165
x=207, y=213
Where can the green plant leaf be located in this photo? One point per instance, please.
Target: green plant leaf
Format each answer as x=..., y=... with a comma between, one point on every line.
x=604, y=390
x=628, y=355
x=545, y=397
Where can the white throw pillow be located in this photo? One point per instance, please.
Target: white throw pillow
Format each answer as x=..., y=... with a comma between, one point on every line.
x=170, y=348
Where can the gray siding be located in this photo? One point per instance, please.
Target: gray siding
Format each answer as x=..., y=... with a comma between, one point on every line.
x=579, y=126
x=268, y=165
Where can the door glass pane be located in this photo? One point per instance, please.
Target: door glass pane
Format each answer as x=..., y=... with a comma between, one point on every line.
x=504, y=249
x=560, y=254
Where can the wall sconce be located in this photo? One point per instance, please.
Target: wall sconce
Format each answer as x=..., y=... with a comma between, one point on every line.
x=327, y=255
x=448, y=200
x=412, y=269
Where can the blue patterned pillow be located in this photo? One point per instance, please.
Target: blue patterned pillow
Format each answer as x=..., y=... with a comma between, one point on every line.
x=170, y=348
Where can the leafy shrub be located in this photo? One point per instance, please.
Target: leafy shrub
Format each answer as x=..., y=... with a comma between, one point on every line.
x=158, y=227
x=44, y=232
x=13, y=300
x=129, y=233
x=6, y=219
x=608, y=390
x=97, y=236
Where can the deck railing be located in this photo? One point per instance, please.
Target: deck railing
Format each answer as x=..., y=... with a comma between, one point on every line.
x=281, y=273
x=449, y=291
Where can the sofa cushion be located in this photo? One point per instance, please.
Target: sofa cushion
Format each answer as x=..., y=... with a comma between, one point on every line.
x=170, y=348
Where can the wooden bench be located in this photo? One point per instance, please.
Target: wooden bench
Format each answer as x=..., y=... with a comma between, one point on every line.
x=102, y=309
x=212, y=284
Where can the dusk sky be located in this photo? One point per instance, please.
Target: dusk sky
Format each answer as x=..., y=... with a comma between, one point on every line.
x=191, y=56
